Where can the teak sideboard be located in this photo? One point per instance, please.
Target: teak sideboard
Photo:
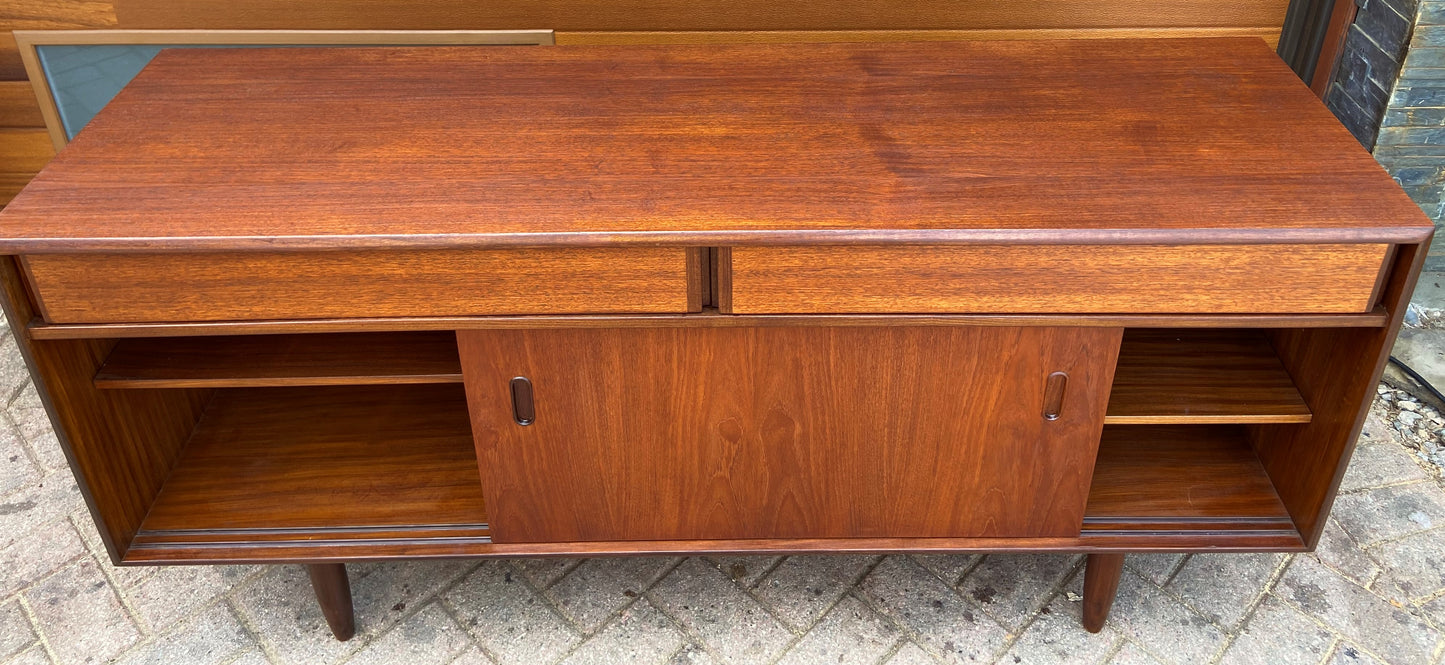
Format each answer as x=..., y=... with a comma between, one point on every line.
x=322, y=305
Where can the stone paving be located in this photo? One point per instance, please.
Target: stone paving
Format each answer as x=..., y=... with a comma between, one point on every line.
x=1373, y=593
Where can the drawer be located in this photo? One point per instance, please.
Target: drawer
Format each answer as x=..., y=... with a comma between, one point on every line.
x=1055, y=279
x=122, y=288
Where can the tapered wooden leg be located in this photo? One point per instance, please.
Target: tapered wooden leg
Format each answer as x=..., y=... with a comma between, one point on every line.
x=333, y=591
x=1101, y=581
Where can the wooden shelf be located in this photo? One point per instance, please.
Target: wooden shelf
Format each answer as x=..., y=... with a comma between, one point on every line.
x=1201, y=377
x=1181, y=479
x=282, y=360
x=283, y=467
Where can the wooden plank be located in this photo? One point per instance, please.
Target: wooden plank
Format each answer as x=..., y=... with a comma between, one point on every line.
x=324, y=459
x=1202, y=477
x=1201, y=376
x=984, y=141
x=1056, y=279
x=786, y=432
x=710, y=319
x=1261, y=540
x=1270, y=35
x=12, y=68
x=56, y=15
x=18, y=107
x=282, y=360
x=99, y=288
x=23, y=152
x=695, y=15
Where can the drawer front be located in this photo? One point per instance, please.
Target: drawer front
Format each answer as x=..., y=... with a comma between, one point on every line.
x=1055, y=279
x=122, y=288
x=723, y=433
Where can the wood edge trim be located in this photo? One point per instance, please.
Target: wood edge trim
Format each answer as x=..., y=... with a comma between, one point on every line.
x=1387, y=266
x=1268, y=33
x=39, y=330
x=1342, y=16
x=106, y=382
x=518, y=37
x=18, y=309
x=724, y=267
x=27, y=278
x=697, y=274
x=1252, y=419
x=1235, y=541
x=1406, y=282
x=729, y=238
x=25, y=41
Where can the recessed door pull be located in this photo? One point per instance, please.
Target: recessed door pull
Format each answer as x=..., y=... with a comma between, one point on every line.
x=523, y=410
x=1054, y=394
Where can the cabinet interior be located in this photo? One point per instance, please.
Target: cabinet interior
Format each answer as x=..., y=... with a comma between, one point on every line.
x=344, y=438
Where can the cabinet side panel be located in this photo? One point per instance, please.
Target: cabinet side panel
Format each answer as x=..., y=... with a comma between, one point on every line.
x=649, y=434
x=1336, y=370
x=120, y=444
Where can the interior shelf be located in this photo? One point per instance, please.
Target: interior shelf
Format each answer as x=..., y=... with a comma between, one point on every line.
x=1181, y=479
x=282, y=360
x=268, y=467
x=1205, y=376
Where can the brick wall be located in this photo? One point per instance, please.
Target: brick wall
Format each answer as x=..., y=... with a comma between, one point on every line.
x=1389, y=91
x=1375, y=47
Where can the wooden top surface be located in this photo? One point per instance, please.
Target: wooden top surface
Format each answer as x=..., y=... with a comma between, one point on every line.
x=1188, y=140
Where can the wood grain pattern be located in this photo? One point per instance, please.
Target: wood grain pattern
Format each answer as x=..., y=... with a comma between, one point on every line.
x=1270, y=35
x=45, y=15
x=696, y=15
x=23, y=152
x=1056, y=279
x=269, y=459
x=1336, y=372
x=786, y=432
x=1202, y=477
x=1201, y=376
x=12, y=68
x=120, y=446
x=282, y=360
x=18, y=107
x=100, y=288
x=713, y=145
x=706, y=319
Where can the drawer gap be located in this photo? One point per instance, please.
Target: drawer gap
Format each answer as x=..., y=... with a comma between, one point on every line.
x=248, y=361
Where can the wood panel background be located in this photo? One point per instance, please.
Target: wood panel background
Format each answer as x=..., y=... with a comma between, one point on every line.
x=611, y=21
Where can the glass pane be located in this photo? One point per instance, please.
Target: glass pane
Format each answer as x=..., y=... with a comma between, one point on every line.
x=83, y=79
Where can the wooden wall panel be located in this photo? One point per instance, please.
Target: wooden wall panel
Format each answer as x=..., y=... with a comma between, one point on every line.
x=1270, y=35
x=696, y=14
x=11, y=68
x=22, y=153
x=46, y=15
x=18, y=107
